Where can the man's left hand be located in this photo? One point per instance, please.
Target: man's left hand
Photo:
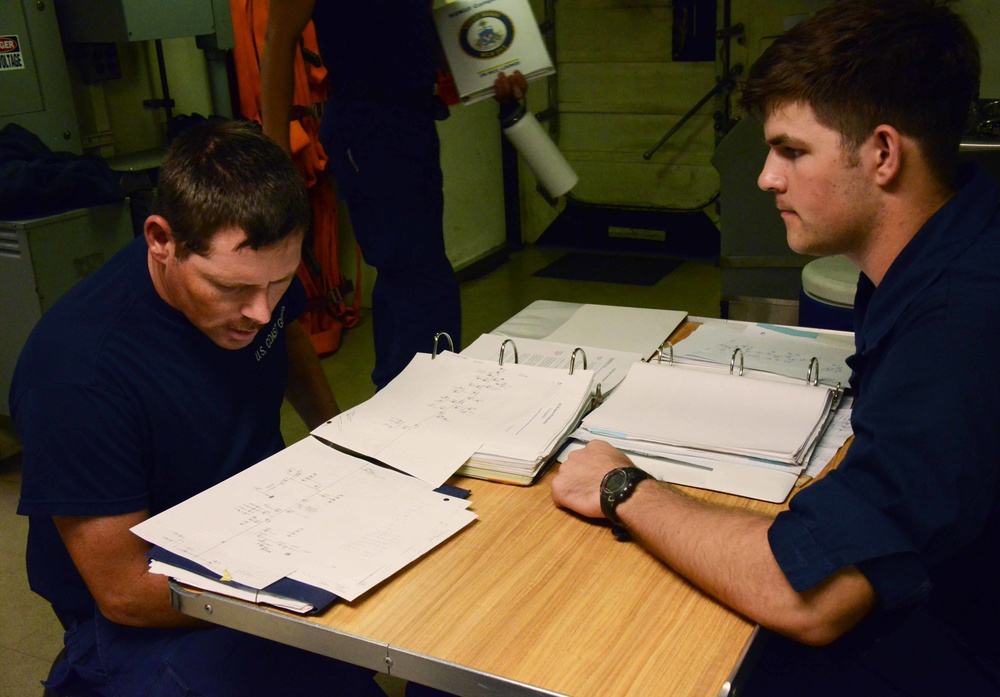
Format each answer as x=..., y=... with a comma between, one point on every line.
x=576, y=485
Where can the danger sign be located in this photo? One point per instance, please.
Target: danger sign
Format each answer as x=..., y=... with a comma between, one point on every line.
x=10, y=53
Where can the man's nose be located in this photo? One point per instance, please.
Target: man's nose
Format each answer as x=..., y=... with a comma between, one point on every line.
x=770, y=178
x=258, y=307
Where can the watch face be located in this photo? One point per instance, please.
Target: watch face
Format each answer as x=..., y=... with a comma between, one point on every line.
x=614, y=481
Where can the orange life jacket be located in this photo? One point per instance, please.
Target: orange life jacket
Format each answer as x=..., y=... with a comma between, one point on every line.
x=327, y=314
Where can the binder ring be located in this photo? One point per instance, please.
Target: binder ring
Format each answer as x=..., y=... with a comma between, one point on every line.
x=503, y=347
x=451, y=344
x=597, y=399
x=659, y=352
x=812, y=375
x=572, y=359
x=732, y=361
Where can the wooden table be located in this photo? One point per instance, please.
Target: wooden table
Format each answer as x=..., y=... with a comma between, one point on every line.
x=528, y=600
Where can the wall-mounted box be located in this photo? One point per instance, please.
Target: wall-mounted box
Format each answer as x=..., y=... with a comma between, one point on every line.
x=133, y=20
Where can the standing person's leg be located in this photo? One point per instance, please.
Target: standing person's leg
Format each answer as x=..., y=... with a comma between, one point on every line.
x=396, y=206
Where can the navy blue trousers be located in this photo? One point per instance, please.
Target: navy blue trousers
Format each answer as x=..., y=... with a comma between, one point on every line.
x=120, y=661
x=385, y=158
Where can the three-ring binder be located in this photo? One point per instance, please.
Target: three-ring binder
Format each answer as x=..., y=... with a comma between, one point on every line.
x=513, y=346
x=503, y=347
x=451, y=344
x=597, y=398
x=665, y=353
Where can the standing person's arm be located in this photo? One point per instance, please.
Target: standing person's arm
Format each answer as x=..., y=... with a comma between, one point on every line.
x=308, y=389
x=285, y=23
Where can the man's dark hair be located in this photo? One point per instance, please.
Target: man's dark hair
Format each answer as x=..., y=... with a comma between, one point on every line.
x=911, y=64
x=228, y=174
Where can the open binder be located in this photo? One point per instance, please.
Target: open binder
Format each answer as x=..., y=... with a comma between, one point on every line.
x=493, y=460
x=445, y=412
x=705, y=417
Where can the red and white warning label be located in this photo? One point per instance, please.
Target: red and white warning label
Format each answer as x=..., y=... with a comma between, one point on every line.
x=10, y=53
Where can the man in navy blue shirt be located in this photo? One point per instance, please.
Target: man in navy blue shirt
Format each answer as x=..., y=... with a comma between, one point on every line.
x=156, y=377
x=881, y=576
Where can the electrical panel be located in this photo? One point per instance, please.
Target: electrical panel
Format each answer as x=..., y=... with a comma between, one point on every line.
x=34, y=81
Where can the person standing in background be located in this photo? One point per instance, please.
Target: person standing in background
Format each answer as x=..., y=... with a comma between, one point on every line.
x=379, y=131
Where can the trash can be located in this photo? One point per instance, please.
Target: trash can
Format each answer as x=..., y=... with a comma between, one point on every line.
x=827, y=297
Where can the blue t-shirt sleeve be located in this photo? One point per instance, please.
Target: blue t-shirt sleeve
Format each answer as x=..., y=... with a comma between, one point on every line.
x=82, y=451
x=918, y=481
x=87, y=444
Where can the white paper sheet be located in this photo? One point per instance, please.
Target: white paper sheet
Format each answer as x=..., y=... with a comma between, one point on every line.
x=437, y=413
x=764, y=484
x=629, y=329
x=695, y=408
x=190, y=578
x=610, y=367
x=309, y=510
x=780, y=350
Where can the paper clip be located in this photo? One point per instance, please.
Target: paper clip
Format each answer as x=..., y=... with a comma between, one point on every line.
x=572, y=359
x=451, y=344
x=503, y=348
x=732, y=361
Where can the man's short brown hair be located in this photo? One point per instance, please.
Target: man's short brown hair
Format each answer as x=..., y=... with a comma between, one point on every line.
x=228, y=174
x=911, y=64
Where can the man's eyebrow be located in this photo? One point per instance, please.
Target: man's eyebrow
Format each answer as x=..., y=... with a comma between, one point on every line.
x=784, y=139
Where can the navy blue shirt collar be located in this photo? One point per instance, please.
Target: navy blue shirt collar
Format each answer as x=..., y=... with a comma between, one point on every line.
x=942, y=238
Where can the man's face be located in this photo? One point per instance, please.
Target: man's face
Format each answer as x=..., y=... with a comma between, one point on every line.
x=820, y=189
x=229, y=293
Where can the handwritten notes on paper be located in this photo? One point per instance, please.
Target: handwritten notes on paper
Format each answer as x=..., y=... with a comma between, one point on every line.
x=770, y=348
x=610, y=367
x=311, y=514
x=437, y=413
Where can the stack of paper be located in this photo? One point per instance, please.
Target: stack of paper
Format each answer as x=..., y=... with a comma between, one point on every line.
x=481, y=38
x=448, y=411
x=685, y=409
x=702, y=417
x=308, y=518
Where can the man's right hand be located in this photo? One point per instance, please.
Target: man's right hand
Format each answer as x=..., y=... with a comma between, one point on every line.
x=510, y=89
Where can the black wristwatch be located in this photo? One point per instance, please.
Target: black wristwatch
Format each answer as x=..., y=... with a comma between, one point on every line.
x=616, y=487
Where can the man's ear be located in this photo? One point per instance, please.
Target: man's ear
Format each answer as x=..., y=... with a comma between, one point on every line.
x=159, y=238
x=888, y=150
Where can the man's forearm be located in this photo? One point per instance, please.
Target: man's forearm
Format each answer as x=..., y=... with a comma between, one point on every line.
x=286, y=21
x=112, y=562
x=308, y=390
x=725, y=552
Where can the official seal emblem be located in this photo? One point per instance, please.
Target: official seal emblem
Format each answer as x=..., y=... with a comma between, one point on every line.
x=486, y=34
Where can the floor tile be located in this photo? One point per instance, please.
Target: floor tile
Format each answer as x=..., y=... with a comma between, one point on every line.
x=22, y=674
